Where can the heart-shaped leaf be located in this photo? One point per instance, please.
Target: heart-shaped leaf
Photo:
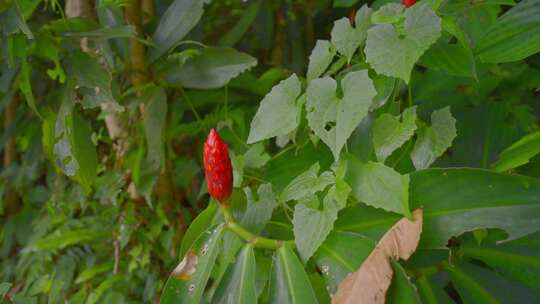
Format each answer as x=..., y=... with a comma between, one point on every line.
x=394, y=52
x=333, y=119
x=389, y=133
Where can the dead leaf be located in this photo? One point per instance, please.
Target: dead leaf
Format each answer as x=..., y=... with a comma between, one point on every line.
x=371, y=281
x=187, y=266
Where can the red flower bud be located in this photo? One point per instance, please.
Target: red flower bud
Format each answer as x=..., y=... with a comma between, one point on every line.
x=408, y=3
x=217, y=167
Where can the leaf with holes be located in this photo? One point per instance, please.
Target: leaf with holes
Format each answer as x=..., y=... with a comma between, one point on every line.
x=187, y=282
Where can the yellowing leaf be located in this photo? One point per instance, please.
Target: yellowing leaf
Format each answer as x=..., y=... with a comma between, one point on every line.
x=371, y=281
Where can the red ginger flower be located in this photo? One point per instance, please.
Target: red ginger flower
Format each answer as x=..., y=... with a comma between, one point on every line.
x=408, y=3
x=217, y=167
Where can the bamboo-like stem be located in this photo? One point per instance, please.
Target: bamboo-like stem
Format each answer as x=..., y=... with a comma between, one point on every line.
x=256, y=240
x=133, y=17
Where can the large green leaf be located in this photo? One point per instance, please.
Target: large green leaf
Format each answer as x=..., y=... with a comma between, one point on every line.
x=289, y=282
x=452, y=58
x=238, y=284
x=198, y=226
x=401, y=289
x=433, y=141
x=394, y=54
x=518, y=261
x=187, y=282
x=519, y=153
x=179, y=18
x=431, y=293
x=478, y=285
x=342, y=253
x=460, y=200
x=322, y=55
x=210, y=68
x=369, y=221
x=389, y=133
x=379, y=186
x=333, y=119
x=515, y=35
x=277, y=106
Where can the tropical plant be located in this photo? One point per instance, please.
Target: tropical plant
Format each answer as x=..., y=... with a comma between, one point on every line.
x=397, y=162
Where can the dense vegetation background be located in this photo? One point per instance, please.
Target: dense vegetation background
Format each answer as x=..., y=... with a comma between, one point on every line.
x=106, y=105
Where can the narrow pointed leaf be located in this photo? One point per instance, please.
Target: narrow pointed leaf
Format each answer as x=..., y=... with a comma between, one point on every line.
x=289, y=282
x=238, y=284
x=188, y=281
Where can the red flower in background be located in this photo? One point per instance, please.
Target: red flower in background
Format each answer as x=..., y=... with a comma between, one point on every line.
x=217, y=167
x=408, y=3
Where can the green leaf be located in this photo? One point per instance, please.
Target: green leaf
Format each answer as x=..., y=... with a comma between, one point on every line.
x=238, y=284
x=454, y=59
x=26, y=87
x=401, y=290
x=322, y=55
x=379, y=186
x=517, y=261
x=258, y=212
x=519, y=153
x=431, y=293
x=197, y=227
x=63, y=239
x=433, y=141
x=4, y=288
x=389, y=133
x=91, y=272
x=211, y=68
x=277, y=106
x=93, y=77
x=104, y=33
x=289, y=282
x=479, y=285
x=347, y=39
x=311, y=226
x=306, y=184
x=340, y=254
x=460, y=200
x=188, y=281
x=334, y=119
x=179, y=18
x=365, y=220
x=155, y=119
x=515, y=35
x=233, y=36
x=393, y=53
x=74, y=151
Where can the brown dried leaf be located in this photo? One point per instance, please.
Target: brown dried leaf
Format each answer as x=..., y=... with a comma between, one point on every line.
x=187, y=266
x=371, y=281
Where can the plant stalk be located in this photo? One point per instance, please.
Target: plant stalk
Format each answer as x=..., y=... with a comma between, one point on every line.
x=256, y=240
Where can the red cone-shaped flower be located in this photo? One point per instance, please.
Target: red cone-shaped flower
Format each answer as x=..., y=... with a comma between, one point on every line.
x=217, y=167
x=408, y=3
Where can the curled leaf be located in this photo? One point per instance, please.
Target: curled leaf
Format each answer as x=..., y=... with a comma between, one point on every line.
x=371, y=281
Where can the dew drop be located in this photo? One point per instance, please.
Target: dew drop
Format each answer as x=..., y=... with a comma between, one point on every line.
x=325, y=269
x=191, y=287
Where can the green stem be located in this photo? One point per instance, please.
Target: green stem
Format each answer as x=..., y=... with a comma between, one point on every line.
x=255, y=240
